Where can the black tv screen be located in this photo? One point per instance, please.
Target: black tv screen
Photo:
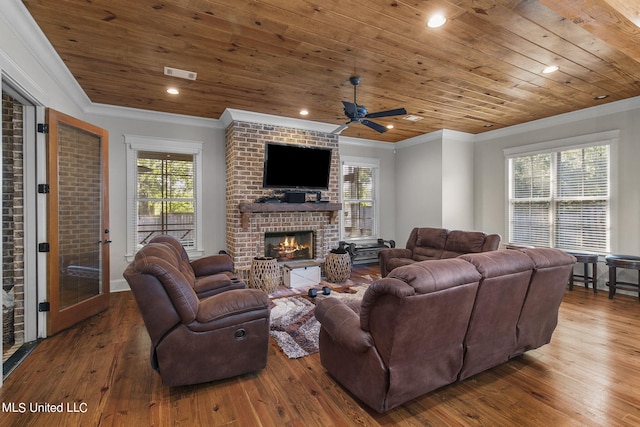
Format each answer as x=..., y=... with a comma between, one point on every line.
x=289, y=166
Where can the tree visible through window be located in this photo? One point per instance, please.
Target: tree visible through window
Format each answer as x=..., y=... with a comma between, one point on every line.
x=358, y=193
x=166, y=196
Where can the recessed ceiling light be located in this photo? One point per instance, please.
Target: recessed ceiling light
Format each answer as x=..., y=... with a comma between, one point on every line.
x=389, y=126
x=304, y=112
x=412, y=118
x=550, y=69
x=173, y=91
x=601, y=97
x=436, y=21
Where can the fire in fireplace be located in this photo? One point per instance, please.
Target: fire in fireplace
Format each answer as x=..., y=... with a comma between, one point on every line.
x=289, y=246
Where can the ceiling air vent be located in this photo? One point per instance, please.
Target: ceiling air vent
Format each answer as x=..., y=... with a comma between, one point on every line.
x=183, y=74
x=412, y=118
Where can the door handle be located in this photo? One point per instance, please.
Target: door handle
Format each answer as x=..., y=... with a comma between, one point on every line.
x=107, y=241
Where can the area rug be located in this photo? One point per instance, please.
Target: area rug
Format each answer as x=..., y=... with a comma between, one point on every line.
x=293, y=325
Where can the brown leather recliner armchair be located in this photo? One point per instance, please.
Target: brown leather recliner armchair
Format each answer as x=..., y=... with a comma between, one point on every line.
x=427, y=243
x=211, y=274
x=196, y=340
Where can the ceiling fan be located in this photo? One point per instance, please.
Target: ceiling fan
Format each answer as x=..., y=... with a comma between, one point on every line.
x=358, y=113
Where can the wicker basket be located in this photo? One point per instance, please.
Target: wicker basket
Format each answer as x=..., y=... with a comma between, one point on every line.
x=337, y=267
x=265, y=274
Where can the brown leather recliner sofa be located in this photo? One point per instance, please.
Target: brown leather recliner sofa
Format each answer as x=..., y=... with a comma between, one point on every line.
x=432, y=323
x=426, y=243
x=195, y=340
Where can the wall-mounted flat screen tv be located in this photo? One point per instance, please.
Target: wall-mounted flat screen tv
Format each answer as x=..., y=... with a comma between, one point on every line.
x=288, y=166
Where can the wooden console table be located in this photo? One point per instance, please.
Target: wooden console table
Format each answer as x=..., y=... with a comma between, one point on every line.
x=247, y=209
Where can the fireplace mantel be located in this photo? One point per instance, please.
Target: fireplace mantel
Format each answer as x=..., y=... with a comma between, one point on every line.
x=246, y=209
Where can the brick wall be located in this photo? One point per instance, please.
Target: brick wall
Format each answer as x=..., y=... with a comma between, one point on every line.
x=13, y=208
x=244, y=161
x=79, y=191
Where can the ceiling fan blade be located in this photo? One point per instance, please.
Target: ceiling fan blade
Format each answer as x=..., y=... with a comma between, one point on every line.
x=350, y=108
x=339, y=129
x=374, y=126
x=388, y=113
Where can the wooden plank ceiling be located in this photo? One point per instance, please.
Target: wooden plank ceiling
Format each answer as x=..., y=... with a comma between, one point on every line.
x=481, y=71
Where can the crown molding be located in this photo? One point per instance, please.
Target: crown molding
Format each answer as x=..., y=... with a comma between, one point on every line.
x=16, y=16
x=364, y=142
x=152, y=116
x=230, y=114
x=437, y=135
x=562, y=119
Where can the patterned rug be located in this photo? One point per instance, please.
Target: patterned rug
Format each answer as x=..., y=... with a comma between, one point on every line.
x=293, y=325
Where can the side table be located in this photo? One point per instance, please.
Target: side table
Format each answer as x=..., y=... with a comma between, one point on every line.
x=264, y=274
x=622, y=261
x=337, y=267
x=585, y=258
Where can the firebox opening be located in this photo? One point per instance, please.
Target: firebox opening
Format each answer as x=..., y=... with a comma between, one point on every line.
x=289, y=245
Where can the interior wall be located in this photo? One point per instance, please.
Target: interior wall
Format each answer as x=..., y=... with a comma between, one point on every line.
x=384, y=153
x=213, y=176
x=490, y=166
x=457, y=182
x=418, y=187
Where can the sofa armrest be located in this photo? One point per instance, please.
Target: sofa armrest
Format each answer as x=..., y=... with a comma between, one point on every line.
x=212, y=264
x=343, y=324
x=386, y=254
x=231, y=307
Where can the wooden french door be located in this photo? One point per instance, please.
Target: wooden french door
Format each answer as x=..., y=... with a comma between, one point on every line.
x=77, y=221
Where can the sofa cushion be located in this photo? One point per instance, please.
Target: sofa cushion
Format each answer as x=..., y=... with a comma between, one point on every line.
x=429, y=243
x=398, y=262
x=491, y=336
x=463, y=242
x=160, y=260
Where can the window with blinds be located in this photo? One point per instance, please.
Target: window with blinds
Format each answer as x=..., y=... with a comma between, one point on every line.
x=561, y=199
x=165, y=197
x=359, y=200
x=164, y=192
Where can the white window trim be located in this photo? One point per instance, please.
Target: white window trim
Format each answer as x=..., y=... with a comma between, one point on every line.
x=610, y=138
x=135, y=143
x=363, y=162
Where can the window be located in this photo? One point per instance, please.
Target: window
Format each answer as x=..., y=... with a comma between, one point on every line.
x=359, y=194
x=561, y=198
x=164, y=191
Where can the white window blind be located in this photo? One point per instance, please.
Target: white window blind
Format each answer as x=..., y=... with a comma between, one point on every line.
x=359, y=200
x=164, y=192
x=166, y=197
x=561, y=199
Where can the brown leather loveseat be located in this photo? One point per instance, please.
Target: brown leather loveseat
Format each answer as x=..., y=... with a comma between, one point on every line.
x=432, y=323
x=426, y=243
x=195, y=340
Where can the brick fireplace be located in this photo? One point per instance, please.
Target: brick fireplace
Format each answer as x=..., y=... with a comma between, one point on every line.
x=245, y=233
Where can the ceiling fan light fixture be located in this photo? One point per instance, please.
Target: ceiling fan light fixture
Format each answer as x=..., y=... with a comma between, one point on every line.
x=550, y=69
x=436, y=20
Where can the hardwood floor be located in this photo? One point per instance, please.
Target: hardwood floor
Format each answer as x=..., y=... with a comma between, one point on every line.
x=589, y=375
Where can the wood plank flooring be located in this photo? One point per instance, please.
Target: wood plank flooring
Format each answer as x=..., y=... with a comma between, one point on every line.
x=589, y=375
